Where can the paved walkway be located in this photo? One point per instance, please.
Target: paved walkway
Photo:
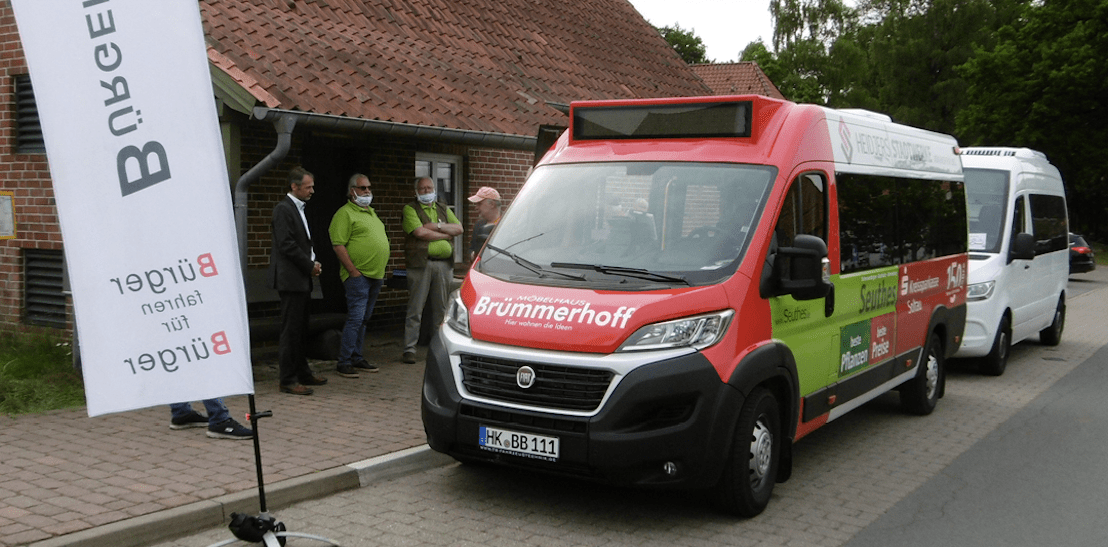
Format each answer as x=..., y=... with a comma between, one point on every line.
x=128, y=479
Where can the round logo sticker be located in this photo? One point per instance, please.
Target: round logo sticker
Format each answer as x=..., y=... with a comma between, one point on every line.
x=525, y=377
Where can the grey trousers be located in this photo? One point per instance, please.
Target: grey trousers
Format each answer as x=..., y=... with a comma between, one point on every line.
x=425, y=285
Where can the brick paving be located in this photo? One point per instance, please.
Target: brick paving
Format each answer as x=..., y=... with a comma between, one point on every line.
x=127, y=479
x=62, y=472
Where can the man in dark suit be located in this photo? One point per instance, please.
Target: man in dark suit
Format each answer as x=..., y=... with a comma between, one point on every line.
x=292, y=265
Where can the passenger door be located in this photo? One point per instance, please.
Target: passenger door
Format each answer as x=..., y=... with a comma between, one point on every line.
x=1021, y=281
x=803, y=325
x=1050, y=269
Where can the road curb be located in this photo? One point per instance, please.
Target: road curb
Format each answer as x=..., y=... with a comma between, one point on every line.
x=203, y=515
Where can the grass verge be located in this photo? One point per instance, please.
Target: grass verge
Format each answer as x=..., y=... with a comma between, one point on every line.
x=36, y=374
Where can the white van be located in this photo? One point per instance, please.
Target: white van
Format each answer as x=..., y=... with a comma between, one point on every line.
x=1019, y=257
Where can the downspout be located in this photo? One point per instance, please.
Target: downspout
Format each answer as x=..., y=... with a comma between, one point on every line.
x=284, y=126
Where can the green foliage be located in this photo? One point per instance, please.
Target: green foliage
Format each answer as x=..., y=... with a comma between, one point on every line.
x=36, y=374
x=686, y=43
x=1043, y=86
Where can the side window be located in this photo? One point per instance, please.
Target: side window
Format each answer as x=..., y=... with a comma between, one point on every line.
x=1018, y=218
x=1048, y=223
x=867, y=221
x=804, y=210
x=885, y=221
x=929, y=226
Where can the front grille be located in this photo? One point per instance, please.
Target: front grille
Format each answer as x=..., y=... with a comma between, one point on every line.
x=556, y=386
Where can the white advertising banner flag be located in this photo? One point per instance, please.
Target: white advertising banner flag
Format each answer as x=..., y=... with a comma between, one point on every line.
x=128, y=115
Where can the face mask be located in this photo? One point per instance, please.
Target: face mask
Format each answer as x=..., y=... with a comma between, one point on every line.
x=363, y=201
x=426, y=198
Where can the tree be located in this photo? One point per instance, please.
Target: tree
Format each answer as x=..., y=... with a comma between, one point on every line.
x=907, y=58
x=803, y=33
x=1043, y=86
x=686, y=43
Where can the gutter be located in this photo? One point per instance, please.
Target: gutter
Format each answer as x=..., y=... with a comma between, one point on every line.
x=284, y=121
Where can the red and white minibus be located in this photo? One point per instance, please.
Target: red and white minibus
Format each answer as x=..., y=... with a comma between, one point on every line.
x=685, y=287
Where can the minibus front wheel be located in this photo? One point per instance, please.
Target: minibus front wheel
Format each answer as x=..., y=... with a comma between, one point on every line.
x=996, y=361
x=751, y=469
x=1052, y=335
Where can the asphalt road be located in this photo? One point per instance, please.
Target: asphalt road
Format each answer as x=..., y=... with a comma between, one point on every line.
x=1015, y=460
x=1041, y=478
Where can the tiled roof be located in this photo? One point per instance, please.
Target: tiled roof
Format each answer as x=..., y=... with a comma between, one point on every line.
x=737, y=79
x=479, y=65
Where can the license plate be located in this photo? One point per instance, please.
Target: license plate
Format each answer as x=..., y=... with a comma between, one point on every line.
x=527, y=445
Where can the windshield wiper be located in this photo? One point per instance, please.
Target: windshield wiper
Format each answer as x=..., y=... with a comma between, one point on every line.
x=620, y=270
x=535, y=268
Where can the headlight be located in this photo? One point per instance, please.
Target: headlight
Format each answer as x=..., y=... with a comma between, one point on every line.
x=980, y=291
x=457, y=316
x=697, y=332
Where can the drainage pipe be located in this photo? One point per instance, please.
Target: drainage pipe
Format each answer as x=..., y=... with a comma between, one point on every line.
x=284, y=126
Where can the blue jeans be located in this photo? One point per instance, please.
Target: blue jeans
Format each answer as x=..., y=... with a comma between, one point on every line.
x=361, y=295
x=217, y=411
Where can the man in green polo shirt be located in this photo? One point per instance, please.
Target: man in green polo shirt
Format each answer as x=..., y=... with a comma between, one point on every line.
x=358, y=237
x=430, y=228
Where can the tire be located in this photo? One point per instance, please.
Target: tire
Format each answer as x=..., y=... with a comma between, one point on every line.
x=1052, y=335
x=920, y=394
x=996, y=361
x=751, y=469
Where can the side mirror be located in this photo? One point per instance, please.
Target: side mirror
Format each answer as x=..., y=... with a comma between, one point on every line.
x=1023, y=247
x=803, y=270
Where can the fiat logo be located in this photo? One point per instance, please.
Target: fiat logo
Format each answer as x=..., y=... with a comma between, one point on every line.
x=525, y=377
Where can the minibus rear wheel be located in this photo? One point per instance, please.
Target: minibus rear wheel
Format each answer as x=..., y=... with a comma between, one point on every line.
x=751, y=470
x=996, y=361
x=920, y=394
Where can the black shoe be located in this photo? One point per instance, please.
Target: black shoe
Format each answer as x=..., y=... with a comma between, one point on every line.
x=362, y=365
x=230, y=429
x=409, y=357
x=192, y=419
x=346, y=371
x=296, y=389
x=314, y=381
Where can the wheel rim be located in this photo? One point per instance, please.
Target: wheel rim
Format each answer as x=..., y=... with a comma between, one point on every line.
x=1002, y=348
x=932, y=375
x=761, y=453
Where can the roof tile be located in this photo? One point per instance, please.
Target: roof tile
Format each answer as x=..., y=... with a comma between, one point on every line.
x=485, y=65
x=740, y=78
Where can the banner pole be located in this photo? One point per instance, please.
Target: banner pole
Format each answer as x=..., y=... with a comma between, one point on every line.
x=258, y=451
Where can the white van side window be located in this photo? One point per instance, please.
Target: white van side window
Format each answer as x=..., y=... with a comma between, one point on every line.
x=1048, y=221
x=1019, y=222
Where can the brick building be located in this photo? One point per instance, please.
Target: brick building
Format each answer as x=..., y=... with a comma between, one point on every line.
x=461, y=90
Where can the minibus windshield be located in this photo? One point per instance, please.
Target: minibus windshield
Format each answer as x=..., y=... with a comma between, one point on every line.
x=987, y=205
x=636, y=225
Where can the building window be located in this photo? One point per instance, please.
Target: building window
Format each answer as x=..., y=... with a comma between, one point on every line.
x=28, y=132
x=446, y=172
x=43, y=288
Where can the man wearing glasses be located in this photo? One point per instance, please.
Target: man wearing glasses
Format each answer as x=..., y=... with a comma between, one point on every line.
x=360, y=243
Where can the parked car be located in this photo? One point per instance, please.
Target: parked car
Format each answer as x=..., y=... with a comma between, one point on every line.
x=1081, y=255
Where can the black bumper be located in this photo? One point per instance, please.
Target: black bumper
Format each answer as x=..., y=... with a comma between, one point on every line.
x=674, y=411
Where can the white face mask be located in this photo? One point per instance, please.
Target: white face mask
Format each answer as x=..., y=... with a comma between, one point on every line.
x=427, y=198
x=363, y=201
